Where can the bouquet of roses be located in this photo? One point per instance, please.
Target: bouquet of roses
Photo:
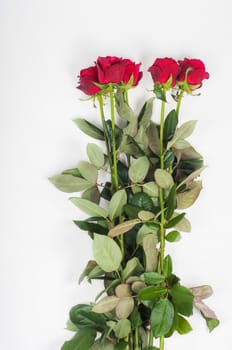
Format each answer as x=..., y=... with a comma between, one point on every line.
x=150, y=174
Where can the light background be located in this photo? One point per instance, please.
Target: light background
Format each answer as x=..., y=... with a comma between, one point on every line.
x=44, y=44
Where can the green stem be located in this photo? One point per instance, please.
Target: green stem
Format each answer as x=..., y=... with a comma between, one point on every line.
x=161, y=192
x=136, y=339
x=161, y=197
x=151, y=338
x=161, y=347
x=100, y=100
x=179, y=102
x=115, y=167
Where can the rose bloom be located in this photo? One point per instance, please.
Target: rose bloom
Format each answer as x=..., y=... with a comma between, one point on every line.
x=112, y=69
x=163, y=69
x=193, y=70
x=87, y=79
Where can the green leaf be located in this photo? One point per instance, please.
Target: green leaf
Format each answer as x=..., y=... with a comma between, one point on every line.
x=182, y=299
x=188, y=198
x=122, y=345
x=107, y=253
x=132, y=210
x=135, y=318
x=139, y=169
x=117, y=203
x=89, y=267
x=123, y=227
x=83, y=340
x=182, y=325
x=169, y=158
x=92, y=194
x=91, y=227
x=170, y=125
x=123, y=176
x=133, y=267
x=105, y=305
x=152, y=293
x=153, y=138
x=89, y=129
x=71, y=326
x=103, y=345
x=145, y=114
x=123, y=109
x=73, y=172
x=167, y=266
x=162, y=317
x=88, y=171
x=95, y=154
x=145, y=215
x=106, y=192
x=184, y=225
x=143, y=201
x=171, y=203
x=159, y=92
x=173, y=236
x=182, y=132
x=211, y=323
x=88, y=207
x=192, y=176
x=147, y=229
x=163, y=178
x=122, y=328
x=151, y=189
x=175, y=220
x=152, y=277
x=68, y=183
x=82, y=316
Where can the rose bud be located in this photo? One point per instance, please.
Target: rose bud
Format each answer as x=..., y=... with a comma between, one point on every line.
x=192, y=73
x=163, y=70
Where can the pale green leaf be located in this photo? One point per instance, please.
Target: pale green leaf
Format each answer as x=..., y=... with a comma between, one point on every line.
x=139, y=169
x=117, y=203
x=88, y=171
x=145, y=215
x=123, y=227
x=107, y=253
x=68, y=183
x=123, y=290
x=188, y=198
x=151, y=189
x=151, y=252
x=182, y=144
x=107, y=304
x=122, y=328
x=88, y=207
x=95, y=154
x=133, y=267
x=184, y=131
x=184, y=225
x=192, y=176
x=163, y=179
x=202, y=292
x=124, y=307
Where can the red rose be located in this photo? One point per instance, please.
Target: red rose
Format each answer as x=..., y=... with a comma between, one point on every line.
x=163, y=69
x=193, y=70
x=117, y=70
x=88, y=78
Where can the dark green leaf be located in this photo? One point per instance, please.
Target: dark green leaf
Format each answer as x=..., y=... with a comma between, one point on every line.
x=122, y=345
x=152, y=292
x=169, y=158
x=159, y=92
x=143, y=201
x=167, y=266
x=173, y=279
x=182, y=299
x=83, y=316
x=182, y=325
x=152, y=277
x=91, y=227
x=118, y=133
x=89, y=129
x=123, y=176
x=132, y=211
x=173, y=236
x=92, y=194
x=170, y=125
x=171, y=203
x=162, y=317
x=135, y=318
x=106, y=192
x=173, y=222
x=153, y=348
x=83, y=340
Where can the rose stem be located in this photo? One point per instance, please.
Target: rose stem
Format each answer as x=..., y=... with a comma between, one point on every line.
x=179, y=102
x=161, y=197
x=115, y=166
x=100, y=100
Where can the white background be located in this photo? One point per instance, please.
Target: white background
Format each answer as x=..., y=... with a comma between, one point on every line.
x=44, y=44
